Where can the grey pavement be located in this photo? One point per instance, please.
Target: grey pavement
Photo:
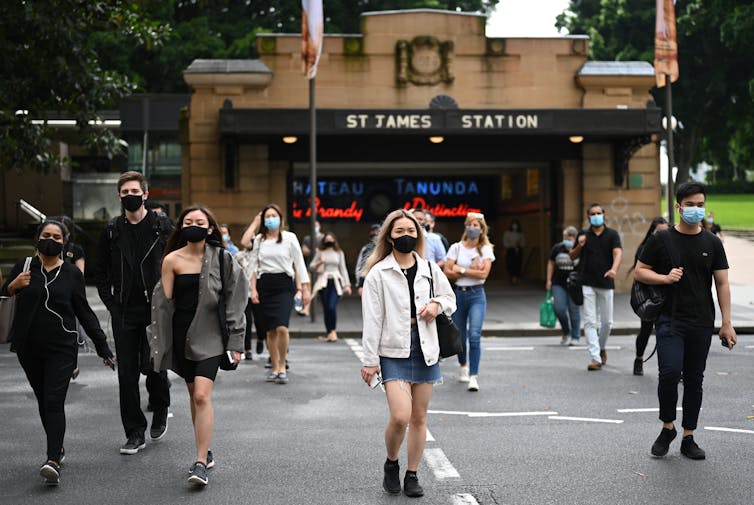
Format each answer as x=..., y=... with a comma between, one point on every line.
x=542, y=430
x=514, y=311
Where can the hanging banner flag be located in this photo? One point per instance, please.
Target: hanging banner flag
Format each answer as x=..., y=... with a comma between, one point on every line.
x=312, y=29
x=666, y=45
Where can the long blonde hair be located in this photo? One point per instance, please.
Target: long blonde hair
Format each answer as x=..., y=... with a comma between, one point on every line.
x=483, y=239
x=383, y=247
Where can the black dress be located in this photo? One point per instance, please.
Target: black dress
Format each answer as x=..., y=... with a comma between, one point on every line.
x=185, y=299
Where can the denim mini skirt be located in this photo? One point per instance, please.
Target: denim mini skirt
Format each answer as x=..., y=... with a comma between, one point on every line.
x=412, y=369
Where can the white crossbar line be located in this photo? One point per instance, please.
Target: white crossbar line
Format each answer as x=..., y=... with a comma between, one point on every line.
x=583, y=348
x=464, y=499
x=440, y=465
x=508, y=348
x=430, y=438
x=651, y=409
x=731, y=430
x=586, y=419
x=491, y=414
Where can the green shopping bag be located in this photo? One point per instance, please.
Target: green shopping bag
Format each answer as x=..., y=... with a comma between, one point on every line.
x=547, y=312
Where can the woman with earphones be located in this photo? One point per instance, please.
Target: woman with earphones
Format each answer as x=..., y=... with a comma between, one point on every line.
x=50, y=296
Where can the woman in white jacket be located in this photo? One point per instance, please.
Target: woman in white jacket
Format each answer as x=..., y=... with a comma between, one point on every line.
x=400, y=338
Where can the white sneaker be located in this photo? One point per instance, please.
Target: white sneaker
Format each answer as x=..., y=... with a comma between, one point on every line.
x=565, y=340
x=473, y=384
x=464, y=375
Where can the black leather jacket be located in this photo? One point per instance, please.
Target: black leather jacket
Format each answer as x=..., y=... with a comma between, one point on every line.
x=113, y=271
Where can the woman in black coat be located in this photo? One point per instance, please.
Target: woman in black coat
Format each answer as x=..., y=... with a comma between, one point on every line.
x=50, y=296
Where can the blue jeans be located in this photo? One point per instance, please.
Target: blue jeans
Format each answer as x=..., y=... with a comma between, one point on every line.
x=568, y=313
x=329, y=297
x=682, y=349
x=471, y=306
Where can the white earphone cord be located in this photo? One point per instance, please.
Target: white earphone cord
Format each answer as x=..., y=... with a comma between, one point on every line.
x=47, y=298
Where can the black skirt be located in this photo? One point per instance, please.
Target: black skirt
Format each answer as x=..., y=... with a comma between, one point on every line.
x=276, y=292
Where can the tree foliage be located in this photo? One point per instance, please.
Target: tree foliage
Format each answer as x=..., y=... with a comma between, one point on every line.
x=48, y=67
x=227, y=29
x=714, y=96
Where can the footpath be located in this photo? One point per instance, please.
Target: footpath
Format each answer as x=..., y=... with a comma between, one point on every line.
x=514, y=310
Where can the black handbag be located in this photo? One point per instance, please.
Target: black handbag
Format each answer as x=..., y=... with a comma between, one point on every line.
x=225, y=362
x=574, y=282
x=448, y=334
x=648, y=300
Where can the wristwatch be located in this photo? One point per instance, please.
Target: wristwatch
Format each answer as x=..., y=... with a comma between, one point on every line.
x=463, y=271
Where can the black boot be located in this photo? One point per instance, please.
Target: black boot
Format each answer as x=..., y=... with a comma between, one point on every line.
x=392, y=481
x=411, y=485
x=638, y=366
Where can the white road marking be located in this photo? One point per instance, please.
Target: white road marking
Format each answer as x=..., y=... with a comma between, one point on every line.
x=583, y=348
x=651, y=409
x=356, y=348
x=440, y=465
x=464, y=499
x=170, y=414
x=509, y=348
x=586, y=419
x=491, y=414
x=430, y=438
x=732, y=430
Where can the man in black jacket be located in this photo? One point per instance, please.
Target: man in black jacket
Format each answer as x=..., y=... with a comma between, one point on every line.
x=127, y=269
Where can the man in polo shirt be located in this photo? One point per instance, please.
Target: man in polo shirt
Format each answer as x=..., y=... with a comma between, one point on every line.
x=599, y=251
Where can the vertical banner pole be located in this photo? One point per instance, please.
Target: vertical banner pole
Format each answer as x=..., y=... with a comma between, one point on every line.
x=313, y=169
x=671, y=155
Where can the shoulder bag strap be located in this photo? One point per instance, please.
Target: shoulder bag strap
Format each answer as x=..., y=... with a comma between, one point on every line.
x=431, y=283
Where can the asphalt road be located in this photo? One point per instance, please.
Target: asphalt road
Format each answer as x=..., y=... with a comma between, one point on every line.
x=319, y=439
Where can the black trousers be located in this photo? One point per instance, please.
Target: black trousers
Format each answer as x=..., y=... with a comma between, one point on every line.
x=132, y=353
x=49, y=373
x=681, y=348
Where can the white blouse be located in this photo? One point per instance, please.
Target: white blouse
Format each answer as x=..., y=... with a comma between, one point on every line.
x=273, y=257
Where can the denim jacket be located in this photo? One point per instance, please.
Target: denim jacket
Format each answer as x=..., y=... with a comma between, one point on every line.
x=203, y=339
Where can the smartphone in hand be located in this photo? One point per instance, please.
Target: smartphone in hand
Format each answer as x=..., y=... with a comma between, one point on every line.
x=375, y=381
x=724, y=343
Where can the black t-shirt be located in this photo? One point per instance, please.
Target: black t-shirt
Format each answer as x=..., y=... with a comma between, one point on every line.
x=564, y=265
x=596, y=257
x=410, y=274
x=700, y=255
x=140, y=238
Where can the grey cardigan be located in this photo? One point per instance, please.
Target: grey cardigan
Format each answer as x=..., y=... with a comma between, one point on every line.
x=203, y=339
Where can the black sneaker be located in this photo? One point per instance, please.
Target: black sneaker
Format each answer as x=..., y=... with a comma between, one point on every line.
x=248, y=356
x=210, y=462
x=134, y=444
x=638, y=366
x=411, y=487
x=159, y=424
x=392, y=481
x=690, y=449
x=51, y=473
x=662, y=444
x=199, y=474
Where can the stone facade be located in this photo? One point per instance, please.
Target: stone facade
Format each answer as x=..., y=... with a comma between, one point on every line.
x=402, y=60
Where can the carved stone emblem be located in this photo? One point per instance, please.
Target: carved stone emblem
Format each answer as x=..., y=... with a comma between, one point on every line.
x=424, y=61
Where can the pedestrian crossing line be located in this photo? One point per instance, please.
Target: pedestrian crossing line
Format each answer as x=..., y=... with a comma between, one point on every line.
x=491, y=414
x=731, y=430
x=509, y=348
x=584, y=347
x=430, y=438
x=749, y=347
x=464, y=499
x=650, y=409
x=356, y=348
x=586, y=419
x=440, y=465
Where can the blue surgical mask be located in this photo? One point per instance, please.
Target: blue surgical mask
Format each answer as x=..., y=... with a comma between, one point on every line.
x=597, y=220
x=272, y=223
x=692, y=215
x=226, y=238
x=568, y=243
x=473, y=232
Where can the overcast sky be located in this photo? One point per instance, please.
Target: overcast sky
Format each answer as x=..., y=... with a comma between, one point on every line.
x=519, y=18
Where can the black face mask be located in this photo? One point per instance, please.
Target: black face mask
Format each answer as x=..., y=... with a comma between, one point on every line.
x=49, y=247
x=328, y=244
x=404, y=243
x=132, y=203
x=194, y=233
x=426, y=227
